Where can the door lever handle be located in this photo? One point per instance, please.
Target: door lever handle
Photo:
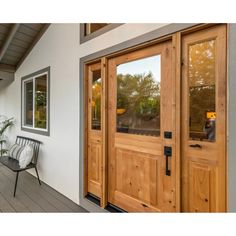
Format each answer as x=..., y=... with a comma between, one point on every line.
x=167, y=153
x=195, y=145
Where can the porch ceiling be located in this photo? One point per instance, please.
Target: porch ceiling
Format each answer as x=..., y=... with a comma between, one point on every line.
x=16, y=42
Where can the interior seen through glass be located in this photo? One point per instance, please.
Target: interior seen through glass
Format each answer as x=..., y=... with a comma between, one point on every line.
x=96, y=99
x=92, y=27
x=40, y=116
x=29, y=103
x=138, y=96
x=201, y=74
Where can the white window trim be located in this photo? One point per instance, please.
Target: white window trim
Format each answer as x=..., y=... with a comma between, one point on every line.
x=24, y=100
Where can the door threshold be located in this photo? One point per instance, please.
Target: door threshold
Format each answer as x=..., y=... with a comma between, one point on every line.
x=91, y=197
x=114, y=209
x=110, y=207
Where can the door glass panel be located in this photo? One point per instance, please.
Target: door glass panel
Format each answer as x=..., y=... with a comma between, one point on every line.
x=201, y=74
x=96, y=99
x=138, y=96
x=40, y=116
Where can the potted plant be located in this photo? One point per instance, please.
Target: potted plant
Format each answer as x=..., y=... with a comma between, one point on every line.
x=5, y=123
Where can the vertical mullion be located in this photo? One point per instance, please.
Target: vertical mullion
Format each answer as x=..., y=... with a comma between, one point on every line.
x=177, y=114
x=104, y=131
x=33, y=101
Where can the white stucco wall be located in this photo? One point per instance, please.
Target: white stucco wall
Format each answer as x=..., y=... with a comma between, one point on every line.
x=2, y=102
x=59, y=48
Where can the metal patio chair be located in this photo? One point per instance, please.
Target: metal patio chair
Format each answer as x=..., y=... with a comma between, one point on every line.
x=13, y=164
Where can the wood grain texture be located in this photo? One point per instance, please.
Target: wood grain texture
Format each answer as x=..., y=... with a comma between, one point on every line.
x=204, y=170
x=17, y=40
x=202, y=187
x=136, y=173
x=94, y=146
x=104, y=132
x=198, y=177
x=177, y=85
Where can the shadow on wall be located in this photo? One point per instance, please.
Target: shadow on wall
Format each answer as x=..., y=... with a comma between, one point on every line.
x=6, y=78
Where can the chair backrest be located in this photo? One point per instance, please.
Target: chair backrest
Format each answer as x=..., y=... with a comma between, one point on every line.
x=35, y=143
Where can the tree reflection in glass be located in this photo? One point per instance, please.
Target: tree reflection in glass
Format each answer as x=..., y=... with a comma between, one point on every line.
x=96, y=100
x=28, y=121
x=138, y=96
x=201, y=74
x=40, y=116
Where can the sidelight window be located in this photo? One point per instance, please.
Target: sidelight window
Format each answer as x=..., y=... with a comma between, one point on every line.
x=96, y=99
x=202, y=91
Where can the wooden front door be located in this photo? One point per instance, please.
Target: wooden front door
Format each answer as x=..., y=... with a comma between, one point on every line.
x=94, y=127
x=204, y=120
x=141, y=127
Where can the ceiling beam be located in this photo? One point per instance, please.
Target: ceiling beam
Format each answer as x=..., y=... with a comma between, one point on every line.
x=8, y=40
x=7, y=68
x=37, y=38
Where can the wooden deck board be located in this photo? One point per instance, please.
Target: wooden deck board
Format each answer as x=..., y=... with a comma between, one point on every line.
x=22, y=197
x=7, y=193
x=70, y=204
x=30, y=196
x=23, y=191
x=5, y=206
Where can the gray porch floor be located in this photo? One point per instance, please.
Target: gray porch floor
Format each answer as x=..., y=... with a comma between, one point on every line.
x=30, y=196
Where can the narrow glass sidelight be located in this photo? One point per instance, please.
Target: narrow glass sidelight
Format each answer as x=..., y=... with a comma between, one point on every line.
x=202, y=91
x=138, y=96
x=96, y=99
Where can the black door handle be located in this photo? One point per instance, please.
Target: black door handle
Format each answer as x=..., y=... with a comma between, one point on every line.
x=195, y=145
x=167, y=167
x=167, y=153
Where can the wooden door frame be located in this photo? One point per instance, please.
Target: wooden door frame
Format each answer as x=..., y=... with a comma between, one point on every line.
x=87, y=123
x=104, y=55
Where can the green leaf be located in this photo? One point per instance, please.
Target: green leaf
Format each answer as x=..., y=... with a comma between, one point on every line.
x=3, y=151
x=6, y=123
